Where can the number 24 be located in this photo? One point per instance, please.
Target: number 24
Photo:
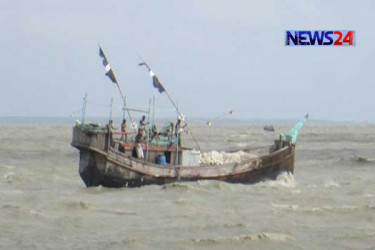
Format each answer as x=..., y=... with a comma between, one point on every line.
x=347, y=39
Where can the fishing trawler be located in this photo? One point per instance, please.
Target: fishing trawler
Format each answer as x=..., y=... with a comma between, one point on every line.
x=107, y=159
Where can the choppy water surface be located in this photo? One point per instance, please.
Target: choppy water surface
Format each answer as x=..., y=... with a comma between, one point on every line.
x=329, y=203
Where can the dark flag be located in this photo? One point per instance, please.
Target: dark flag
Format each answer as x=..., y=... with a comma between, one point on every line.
x=108, y=70
x=157, y=84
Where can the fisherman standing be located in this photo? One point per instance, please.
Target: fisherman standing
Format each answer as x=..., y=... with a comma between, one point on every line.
x=170, y=131
x=142, y=126
x=110, y=132
x=154, y=133
x=137, y=150
x=124, y=135
x=179, y=129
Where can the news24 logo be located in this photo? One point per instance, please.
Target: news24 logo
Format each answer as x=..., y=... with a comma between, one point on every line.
x=320, y=38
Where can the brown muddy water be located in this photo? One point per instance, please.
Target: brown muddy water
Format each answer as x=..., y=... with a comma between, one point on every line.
x=329, y=203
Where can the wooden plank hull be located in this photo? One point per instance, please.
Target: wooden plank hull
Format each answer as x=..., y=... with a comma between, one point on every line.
x=102, y=165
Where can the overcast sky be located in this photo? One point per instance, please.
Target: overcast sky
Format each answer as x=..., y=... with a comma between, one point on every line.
x=211, y=56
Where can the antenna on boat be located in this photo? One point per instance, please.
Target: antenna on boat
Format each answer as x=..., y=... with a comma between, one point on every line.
x=110, y=111
x=157, y=84
x=178, y=137
x=83, y=117
x=123, y=111
x=153, y=110
x=148, y=134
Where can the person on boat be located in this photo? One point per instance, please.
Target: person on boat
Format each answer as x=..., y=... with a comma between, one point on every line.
x=179, y=129
x=110, y=132
x=138, y=144
x=139, y=136
x=171, y=127
x=142, y=126
x=154, y=133
x=124, y=136
x=170, y=131
x=137, y=151
x=121, y=147
x=167, y=133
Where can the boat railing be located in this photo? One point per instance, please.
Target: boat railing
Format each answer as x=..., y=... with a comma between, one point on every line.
x=90, y=138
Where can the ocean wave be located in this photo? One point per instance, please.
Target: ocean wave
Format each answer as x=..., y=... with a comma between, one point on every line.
x=235, y=225
x=10, y=207
x=215, y=226
x=80, y=205
x=176, y=185
x=76, y=205
x=22, y=210
x=184, y=186
x=11, y=177
x=238, y=136
x=286, y=206
x=363, y=159
x=295, y=207
x=114, y=211
x=331, y=183
x=365, y=235
x=200, y=185
x=370, y=206
x=215, y=184
x=283, y=180
x=7, y=166
x=245, y=237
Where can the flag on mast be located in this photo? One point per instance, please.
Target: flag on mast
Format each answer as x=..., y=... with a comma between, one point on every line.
x=108, y=70
x=157, y=84
x=155, y=80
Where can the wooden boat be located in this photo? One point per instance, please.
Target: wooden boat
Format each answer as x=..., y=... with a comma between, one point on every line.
x=102, y=163
x=107, y=161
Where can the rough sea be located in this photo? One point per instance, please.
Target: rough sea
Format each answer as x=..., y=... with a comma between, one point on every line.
x=329, y=202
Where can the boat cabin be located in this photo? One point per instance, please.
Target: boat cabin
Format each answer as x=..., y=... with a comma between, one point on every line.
x=163, y=151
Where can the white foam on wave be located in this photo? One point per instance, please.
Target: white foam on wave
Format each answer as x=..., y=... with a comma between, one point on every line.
x=295, y=207
x=284, y=180
x=7, y=166
x=331, y=183
x=251, y=237
x=286, y=206
x=11, y=177
x=361, y=236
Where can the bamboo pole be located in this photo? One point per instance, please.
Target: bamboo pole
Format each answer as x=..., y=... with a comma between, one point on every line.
x=125, y=107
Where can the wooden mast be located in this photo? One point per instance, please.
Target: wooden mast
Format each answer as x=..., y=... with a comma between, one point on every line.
x=171, y=100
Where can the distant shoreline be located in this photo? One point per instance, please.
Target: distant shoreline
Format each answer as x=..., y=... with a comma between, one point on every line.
x=32, y=120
